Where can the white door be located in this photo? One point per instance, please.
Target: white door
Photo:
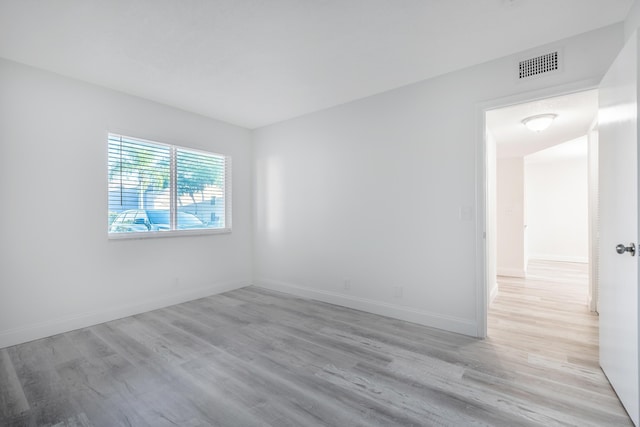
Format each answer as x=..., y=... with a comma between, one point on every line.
x=619, y=273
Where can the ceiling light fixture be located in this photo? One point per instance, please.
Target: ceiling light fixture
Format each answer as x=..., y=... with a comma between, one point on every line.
x=540, y=122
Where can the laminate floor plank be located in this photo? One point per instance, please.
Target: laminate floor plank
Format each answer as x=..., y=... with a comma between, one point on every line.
x=269, y=393
x=254, y=357
x=36, y=372
x=195, y=403
x=13, y=402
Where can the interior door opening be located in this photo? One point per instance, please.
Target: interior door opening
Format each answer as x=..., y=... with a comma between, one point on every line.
x=541, y=207
x=542, y=236
x=613, y=219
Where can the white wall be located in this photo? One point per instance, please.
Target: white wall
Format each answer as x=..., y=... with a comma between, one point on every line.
x=510, y=216
x=557, y=204
x=633, y=20
x=382, y=192
x=58, y=271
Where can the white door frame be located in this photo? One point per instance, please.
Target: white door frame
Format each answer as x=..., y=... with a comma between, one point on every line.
x=482, y=301
x=594, y=217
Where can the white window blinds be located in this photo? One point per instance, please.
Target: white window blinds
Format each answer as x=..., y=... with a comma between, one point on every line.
x=159, y=188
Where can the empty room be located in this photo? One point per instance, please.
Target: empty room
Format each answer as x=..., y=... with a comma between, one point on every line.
x=285, y=213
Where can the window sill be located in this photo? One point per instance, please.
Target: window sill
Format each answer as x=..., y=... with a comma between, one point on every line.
x=161, y=234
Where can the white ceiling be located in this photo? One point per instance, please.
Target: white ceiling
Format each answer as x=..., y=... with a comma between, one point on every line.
x=576, y=113
x=256, y=62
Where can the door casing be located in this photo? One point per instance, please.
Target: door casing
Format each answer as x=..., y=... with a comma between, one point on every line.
x=482, y=187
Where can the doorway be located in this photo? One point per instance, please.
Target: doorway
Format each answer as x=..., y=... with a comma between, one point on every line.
x=540, y=207
x=617, y=217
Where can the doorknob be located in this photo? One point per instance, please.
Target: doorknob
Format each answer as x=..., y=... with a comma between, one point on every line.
x=622, y=249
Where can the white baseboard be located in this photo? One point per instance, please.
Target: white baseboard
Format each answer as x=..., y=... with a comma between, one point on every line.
x=493, y=293
x=559, y=258
x=435, y=320
x=511, y=272
x=592, y=304
x=57, y=326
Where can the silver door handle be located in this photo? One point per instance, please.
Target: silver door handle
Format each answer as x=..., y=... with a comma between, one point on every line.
x=622, y=249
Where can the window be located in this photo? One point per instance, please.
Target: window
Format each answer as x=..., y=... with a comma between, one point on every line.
x=159, y=189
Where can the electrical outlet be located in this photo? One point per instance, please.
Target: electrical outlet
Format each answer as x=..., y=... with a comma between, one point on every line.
x=397, y=291
x=346, y=285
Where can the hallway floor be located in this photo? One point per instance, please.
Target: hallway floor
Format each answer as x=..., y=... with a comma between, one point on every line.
x=544, y=324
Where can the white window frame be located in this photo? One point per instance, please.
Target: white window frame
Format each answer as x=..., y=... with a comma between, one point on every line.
x=174, y=197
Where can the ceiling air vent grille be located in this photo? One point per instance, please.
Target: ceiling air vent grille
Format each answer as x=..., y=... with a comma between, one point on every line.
x=539, y=65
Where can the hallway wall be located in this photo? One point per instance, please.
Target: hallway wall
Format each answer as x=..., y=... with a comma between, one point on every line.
x=557, y=205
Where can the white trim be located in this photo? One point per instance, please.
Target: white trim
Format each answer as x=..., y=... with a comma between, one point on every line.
x=592, y=304
x=69, y=323
x=228, y=193
x=559, y=258
x=481, y=240
x=434, y=320
x=511, y=272
x=482, y=304
x=167, y=233
x=494, y=293
x=594, y=215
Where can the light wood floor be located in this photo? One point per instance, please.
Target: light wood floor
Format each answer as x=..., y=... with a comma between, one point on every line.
x=258, y=358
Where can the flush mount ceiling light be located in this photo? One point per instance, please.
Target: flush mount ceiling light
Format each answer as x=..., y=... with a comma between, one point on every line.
x=540, y=122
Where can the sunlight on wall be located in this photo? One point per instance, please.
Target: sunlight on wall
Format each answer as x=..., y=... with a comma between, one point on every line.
x=270, y=185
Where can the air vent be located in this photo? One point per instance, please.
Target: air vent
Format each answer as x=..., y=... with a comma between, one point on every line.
x=539, y=65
